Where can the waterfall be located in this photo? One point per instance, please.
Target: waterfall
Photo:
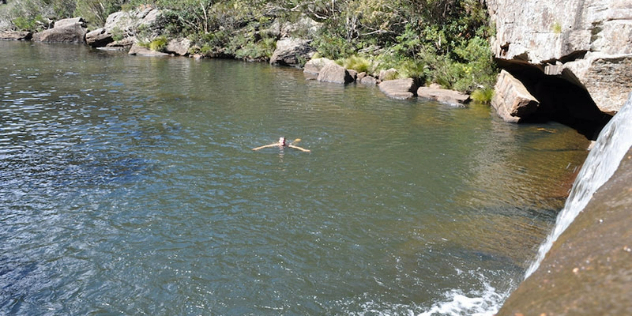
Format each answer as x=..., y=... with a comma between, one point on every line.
x=613, y=142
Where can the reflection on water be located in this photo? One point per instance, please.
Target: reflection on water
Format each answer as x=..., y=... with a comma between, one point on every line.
x=128, y=185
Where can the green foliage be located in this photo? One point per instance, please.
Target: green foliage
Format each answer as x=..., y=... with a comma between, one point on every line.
x=442, y=41
x=94, y=11
x=358, y=64
x=557, y=28
x=117, y=34
x=158, y=44
x=483, y=96
x=27, y=24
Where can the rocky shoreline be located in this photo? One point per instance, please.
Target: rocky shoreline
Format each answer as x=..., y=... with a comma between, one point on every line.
x=120, y=32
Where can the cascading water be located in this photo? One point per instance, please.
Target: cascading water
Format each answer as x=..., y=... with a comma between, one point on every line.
x=613, y=142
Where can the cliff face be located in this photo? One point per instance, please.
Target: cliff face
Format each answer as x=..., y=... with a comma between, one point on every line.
x=585, y=43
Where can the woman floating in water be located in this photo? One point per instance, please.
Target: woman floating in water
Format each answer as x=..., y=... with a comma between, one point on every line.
x=283, y=143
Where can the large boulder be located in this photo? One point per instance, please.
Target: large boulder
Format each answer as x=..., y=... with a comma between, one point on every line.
x=335, y=73
x=446, y=96
x=590, y=38
x=511, y=99
x=65, y=31
x=304, y=25
x=99, y=37
x=15, y=35
x=313, y=66
x=291, y=52
x=399, y=88
x=124, y=25
x=178, y=46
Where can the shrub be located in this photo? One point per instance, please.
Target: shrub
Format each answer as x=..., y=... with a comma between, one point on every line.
x=158, y=44
x=358, y=64
x=483, y=96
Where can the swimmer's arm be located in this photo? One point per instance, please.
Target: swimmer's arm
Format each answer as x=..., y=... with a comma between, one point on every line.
x=266, y=146
x=300, y=148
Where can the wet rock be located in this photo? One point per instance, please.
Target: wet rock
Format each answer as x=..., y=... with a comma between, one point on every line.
x=15, y=35
x=291, y=52
x=511, y=99
x=399, y=88
x=446, y=96
x=335, y=73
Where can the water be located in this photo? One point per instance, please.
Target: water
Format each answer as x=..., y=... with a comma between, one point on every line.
x=128, y=186
x=604, y=159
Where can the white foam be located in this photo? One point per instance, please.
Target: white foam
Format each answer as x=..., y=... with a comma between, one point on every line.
x=479, y=303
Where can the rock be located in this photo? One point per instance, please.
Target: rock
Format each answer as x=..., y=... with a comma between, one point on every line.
x=290, y=52
x=142, y=51
x=125, y=43
x=368, y=80
x=127, y=23
x=511, y=99
x=179, y=46
x=98, y=38
x=399, y=88
x=446, y=96
x=607, y=78
x=353, y=74
x=65, y=31
x=304, y=25
x=335, y=73
x=313, y=66
x=388, y=74
x=70, y=22
x=16, y=35
x=592, y=39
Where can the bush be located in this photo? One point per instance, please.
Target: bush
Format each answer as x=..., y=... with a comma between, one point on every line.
x=483, y=96
x=158, y=44
x=358, y=64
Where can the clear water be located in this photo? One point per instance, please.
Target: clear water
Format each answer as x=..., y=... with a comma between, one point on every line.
x=128, y=186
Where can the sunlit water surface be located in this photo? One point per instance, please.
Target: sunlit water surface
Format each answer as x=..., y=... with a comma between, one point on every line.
x=128, y=186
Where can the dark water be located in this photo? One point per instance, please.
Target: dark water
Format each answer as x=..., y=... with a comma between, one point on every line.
x=128, y=186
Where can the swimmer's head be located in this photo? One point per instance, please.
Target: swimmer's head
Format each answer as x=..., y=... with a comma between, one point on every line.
x=282, y=141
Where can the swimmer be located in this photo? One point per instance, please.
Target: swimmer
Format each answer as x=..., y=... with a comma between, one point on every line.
x=283, y=143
